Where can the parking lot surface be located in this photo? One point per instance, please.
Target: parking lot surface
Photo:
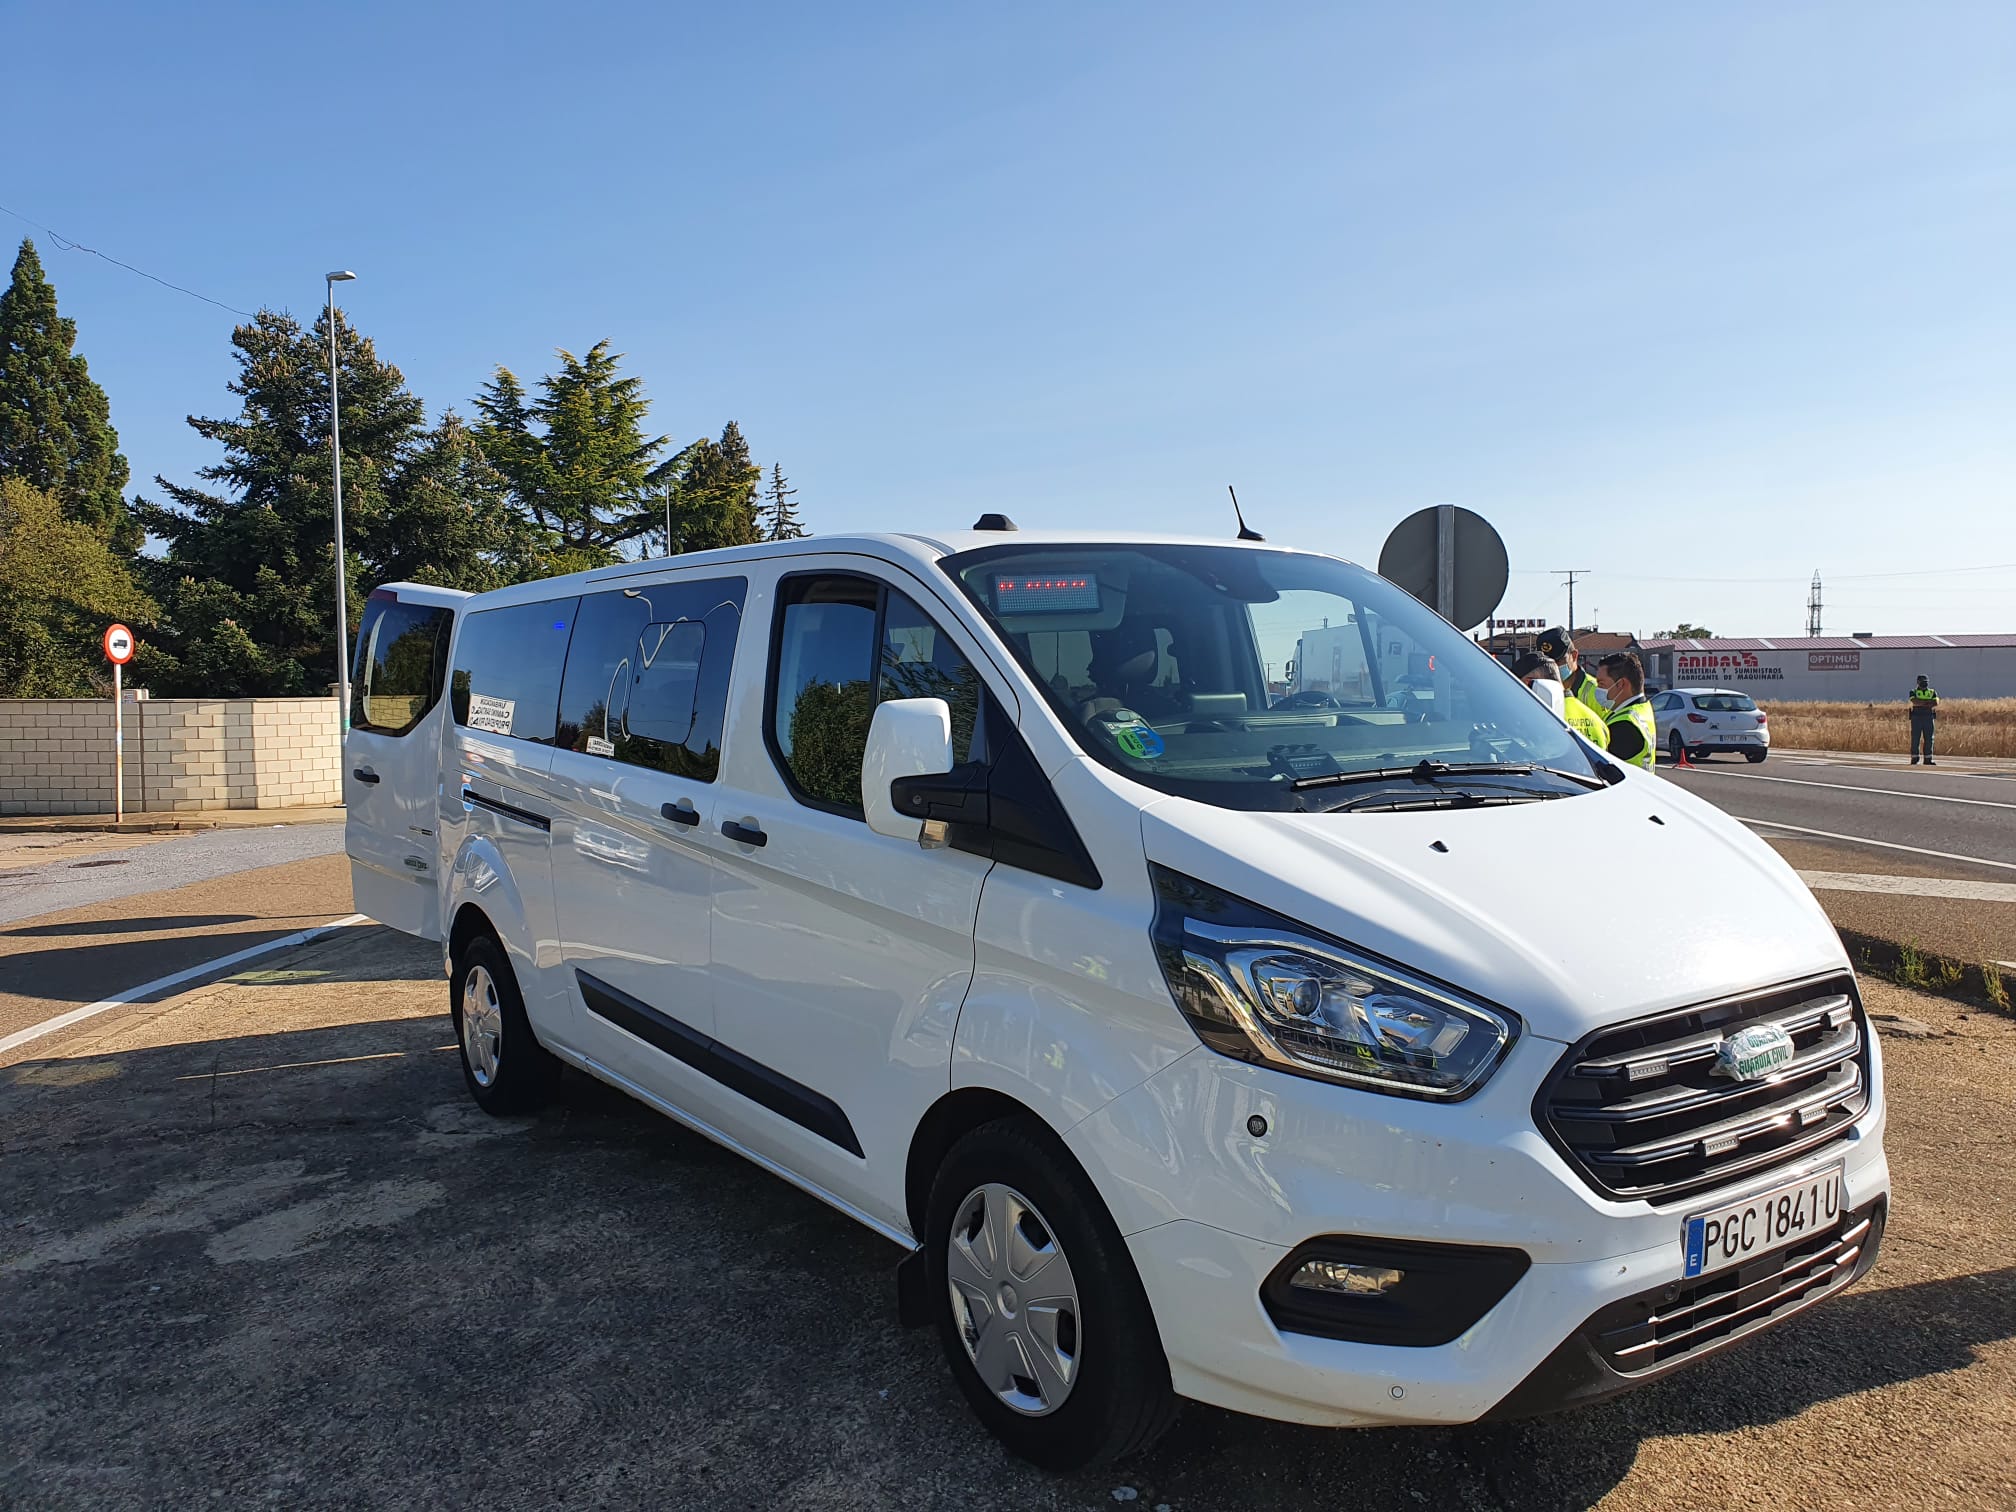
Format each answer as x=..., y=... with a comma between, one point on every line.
x=258, y=1248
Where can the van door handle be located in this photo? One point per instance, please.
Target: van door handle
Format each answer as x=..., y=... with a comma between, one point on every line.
x=364, y=774
x=678, y=815
x=743, y=834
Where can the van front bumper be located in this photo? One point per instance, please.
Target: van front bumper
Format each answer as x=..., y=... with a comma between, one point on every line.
x=1552, y=1343
x=1211, y=1210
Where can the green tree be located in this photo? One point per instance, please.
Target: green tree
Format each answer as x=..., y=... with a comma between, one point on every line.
x=250, y=561
x=1685, y=631
x=449, y=519
x=780, y=520
x=712, y=495
x=55, y=423
x=248, y=582
x=60, y=586
x=576, y=460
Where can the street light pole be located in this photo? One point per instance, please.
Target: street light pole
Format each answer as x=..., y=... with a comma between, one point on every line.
x=330, y=280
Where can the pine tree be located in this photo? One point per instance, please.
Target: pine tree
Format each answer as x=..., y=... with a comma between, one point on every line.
x=449, y=519
x=60, y=585
x=780, y=516
x=247, y=584
x=576, y=460
x=55, y=423
x=712, y=494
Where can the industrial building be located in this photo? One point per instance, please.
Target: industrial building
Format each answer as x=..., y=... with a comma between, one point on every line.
x=1836, y=668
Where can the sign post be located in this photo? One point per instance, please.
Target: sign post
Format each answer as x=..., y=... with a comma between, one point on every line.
x=118, y=651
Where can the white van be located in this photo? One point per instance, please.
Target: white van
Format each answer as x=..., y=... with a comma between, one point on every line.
x=1195, y=1036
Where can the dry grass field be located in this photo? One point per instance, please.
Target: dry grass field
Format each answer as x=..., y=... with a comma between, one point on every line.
x=1967, y=726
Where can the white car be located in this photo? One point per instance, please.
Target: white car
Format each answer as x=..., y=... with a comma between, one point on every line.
x=1707, y=721
x=1186, y=1041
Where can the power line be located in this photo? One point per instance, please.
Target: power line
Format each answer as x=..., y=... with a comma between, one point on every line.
x=1571, y=573
x=65, y=244
x=1839, y=577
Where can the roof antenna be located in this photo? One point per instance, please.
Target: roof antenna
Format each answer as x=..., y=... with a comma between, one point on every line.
x=1246, y=532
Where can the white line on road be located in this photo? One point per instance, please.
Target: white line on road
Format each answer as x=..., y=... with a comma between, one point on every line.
x=1916, y=850
x=1911, y=887
x=173, y=979
x=1842, y=787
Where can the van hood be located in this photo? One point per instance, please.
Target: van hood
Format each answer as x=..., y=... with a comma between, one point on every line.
x=1574, y=912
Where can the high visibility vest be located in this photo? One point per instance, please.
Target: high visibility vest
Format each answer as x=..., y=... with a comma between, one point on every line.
x=1580, y=685
x=1636, y=711
x=1922, y=700
x=1586, y=722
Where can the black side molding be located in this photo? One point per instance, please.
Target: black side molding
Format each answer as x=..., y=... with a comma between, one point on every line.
x=734, y=1070
x=497, y=806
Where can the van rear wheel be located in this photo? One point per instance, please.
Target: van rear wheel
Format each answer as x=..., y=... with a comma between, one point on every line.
x=1039, y=1309
x=504, y=1066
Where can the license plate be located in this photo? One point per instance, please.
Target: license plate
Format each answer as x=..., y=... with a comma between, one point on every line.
x=1730, y=1234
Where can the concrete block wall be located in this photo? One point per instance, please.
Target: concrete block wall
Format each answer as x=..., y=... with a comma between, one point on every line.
x=183, y=755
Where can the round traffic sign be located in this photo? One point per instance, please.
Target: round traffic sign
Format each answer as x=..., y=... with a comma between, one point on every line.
x=118, y=645
x=1478, y=569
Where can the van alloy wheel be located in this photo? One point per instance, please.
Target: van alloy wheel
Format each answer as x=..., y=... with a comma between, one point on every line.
x=1014, y=1299
x=482, y=1025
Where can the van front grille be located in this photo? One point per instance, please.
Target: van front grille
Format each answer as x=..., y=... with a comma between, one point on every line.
x=1639, y=1112
x=1665, y=1327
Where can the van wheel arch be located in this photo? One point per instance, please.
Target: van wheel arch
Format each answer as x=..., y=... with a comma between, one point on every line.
x=946, y=1122
x=470, y=923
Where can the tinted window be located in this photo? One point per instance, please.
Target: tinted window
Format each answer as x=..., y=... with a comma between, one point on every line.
x=401, y=649
x=507, y=669
x=1725, y=703
x=844, y=645
x=647, y=675
x=820, y=685
x=920, y=661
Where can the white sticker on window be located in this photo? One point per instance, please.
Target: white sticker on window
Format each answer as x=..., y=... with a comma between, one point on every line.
x=597, y=746
x=492, y=715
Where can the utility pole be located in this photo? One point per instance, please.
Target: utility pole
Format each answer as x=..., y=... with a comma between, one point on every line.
x=1571, y=573
x=1813, y=607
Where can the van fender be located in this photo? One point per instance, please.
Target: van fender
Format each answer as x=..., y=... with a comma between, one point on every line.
x=480, y=880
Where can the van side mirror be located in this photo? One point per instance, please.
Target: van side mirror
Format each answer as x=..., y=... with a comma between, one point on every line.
x=909, y=737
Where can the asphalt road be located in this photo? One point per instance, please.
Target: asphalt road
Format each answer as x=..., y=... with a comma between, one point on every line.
x=258, y=1248
x=93, y=917
x=1915, y=832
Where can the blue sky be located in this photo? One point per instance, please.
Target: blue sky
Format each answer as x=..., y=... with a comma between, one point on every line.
x=1698, y=298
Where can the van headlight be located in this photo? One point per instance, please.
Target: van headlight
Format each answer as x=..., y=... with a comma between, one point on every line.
x=1261, y=988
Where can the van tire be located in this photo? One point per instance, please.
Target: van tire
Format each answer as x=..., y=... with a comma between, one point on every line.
x=519, y=1075
x=1120, y=1399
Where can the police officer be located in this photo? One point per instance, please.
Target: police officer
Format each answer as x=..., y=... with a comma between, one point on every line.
x=1634, y=736
x=1924, y=716
x=1534, y=668
x=1575, y=679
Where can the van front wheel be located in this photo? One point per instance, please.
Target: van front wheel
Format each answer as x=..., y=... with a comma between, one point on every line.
x=504, y=1066
x=1040, y=1311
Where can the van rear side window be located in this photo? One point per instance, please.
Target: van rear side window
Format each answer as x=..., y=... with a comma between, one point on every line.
x=507, y=669
x=401, y=653
x=647, y=675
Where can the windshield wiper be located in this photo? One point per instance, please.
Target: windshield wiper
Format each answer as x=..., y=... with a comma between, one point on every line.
x=1424, y=770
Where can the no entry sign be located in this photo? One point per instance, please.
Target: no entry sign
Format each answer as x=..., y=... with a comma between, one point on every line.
x=118, y=645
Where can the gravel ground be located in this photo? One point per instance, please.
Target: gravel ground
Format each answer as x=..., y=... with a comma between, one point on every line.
x=257, y=1248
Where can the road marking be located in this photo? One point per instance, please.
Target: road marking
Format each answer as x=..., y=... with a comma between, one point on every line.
x=173, y=979
x=1911, y=887
x=1842, y=787
x=1916, y=850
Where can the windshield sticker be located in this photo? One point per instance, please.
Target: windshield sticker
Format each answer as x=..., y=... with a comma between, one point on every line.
x=1140, y=742
x=492, y=715
x=597, y=746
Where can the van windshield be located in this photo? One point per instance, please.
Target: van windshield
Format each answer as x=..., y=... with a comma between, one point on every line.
x=1266, y=679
